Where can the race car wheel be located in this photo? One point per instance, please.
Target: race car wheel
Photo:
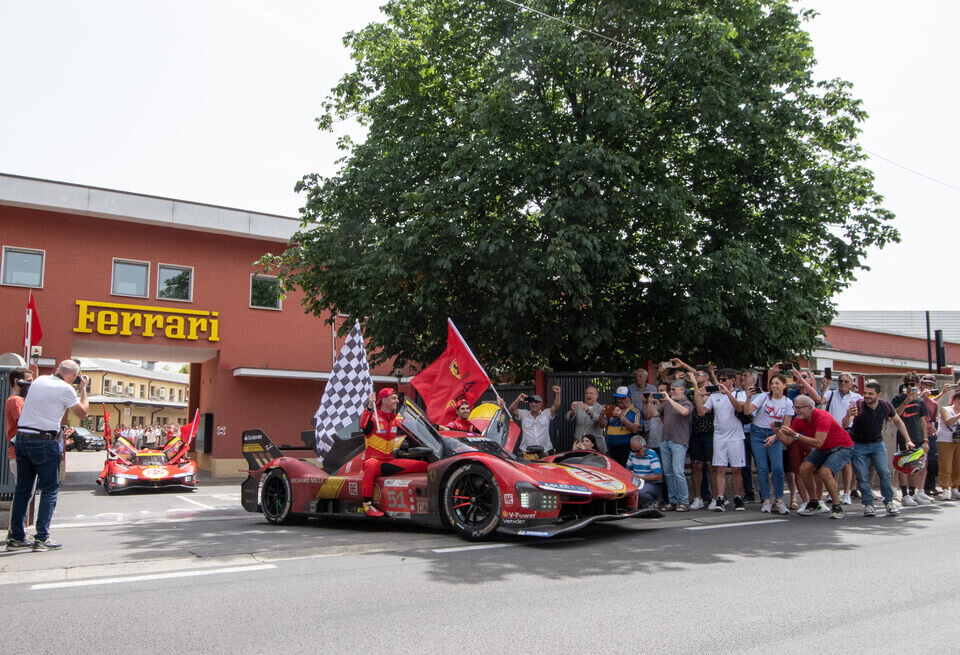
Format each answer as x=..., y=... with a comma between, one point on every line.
x=276, y=497
x=471, y=501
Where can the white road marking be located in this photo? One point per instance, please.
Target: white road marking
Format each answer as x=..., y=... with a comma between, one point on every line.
x=459, y=549
x=186, y=519
x=155, y=576
x=737, y=525
x=191, y=500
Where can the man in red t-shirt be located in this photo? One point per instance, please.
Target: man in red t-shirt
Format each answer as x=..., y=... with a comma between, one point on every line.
x=832, y=445
x=20, y=378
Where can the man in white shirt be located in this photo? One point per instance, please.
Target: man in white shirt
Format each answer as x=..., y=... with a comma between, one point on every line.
x=534, y=422
x=728, y=447
x=837, y=402
x=38, y=451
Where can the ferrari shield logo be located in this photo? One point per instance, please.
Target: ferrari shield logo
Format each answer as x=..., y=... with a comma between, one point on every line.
x=454, y=369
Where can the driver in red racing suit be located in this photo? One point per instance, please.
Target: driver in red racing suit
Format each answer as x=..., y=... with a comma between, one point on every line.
x=382, y=437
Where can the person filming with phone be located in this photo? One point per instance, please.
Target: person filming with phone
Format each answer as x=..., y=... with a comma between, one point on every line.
x=535, y=423
x=38, y=450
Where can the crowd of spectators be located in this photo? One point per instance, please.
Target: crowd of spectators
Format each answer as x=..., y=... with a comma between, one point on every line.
x=149, y=436
x=799, y=437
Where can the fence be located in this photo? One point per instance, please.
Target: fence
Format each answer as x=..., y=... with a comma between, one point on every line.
x=6, y=475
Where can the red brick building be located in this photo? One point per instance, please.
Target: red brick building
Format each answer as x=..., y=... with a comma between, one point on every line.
x=127, y=276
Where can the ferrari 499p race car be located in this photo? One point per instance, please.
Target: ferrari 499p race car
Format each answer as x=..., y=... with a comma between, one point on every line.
x=473, y=482
x=150, y=468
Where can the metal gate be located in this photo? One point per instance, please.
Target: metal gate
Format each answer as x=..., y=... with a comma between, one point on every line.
x=6, y=475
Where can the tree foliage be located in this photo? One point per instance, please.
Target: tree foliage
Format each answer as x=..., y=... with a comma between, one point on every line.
x=670, y=179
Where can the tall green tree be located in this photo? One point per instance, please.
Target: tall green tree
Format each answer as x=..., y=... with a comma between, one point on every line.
x=623, y=180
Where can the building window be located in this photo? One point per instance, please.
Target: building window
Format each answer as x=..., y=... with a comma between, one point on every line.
x=143, y=390
x=264, y=292
x=130, y=278
x=106, y=385
x=23, y=267
x=174, y=282
x=179, y=395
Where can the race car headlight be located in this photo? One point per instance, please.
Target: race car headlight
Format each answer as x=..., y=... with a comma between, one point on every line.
x=119, y=480
x=535, y=499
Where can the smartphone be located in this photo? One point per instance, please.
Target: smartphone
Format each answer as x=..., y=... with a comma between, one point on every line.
x=756, y=390
x=828, y=372
x=712, y=388
x=915, y=389
x=608, y=410
x=659, y=396
x=666, y=365
x=777, y=424
x=646, y=394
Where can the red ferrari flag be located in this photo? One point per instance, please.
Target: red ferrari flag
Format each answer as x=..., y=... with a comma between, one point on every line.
x=455, y=376
x=189, y=431
x=32, y=333
x=106, y=427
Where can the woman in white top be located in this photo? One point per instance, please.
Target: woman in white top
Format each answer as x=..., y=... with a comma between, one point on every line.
x=768, y=407
x=949, y=449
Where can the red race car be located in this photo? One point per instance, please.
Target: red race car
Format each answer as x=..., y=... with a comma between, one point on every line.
x=473, y=482
x=150, y=468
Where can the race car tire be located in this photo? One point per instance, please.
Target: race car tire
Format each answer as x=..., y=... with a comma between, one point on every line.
x=471, y=502
x=108, y=487
x=276, y=497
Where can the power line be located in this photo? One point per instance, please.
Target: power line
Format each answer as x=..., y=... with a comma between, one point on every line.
x=907, y=168
x=566, y=22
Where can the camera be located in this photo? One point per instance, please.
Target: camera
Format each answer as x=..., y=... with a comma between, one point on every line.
x=712, y=388
x=777, y=424
x=666, y=365
x=914, y=389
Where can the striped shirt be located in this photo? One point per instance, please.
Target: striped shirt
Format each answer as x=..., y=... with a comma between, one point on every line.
x=649, y=464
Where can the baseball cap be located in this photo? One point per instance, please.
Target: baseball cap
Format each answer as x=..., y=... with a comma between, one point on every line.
x=384, y=393
x=929, y=378
x=534, y=398
x=621, y=392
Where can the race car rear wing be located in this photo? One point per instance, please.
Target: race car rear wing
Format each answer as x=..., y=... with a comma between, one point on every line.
x=258, y=450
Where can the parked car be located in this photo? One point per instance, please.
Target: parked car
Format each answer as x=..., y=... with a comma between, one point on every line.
x=83, y=439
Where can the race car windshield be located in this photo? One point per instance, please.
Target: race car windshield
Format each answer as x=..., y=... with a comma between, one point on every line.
x=478, y=444
x=151, y=460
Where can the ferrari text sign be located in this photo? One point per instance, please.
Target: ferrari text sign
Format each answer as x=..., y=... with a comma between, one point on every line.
x=113, y=319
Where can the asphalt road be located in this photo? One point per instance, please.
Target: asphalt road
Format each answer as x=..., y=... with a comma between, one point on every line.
x=162, y=571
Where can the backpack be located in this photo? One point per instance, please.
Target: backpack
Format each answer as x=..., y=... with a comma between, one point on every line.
x=743, y=417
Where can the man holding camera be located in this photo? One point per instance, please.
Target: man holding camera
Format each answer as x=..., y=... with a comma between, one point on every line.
x=38, y=450
x=534, y=422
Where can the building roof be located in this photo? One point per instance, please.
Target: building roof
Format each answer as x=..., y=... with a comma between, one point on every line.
x=126, y=400
x=905, y=323
x=132, y=370
x=49, y=195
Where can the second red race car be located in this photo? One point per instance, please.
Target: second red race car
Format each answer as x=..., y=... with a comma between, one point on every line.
x=150, y=468
x=473, y=484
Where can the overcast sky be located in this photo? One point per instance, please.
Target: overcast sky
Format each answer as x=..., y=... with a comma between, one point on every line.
x=214, y=102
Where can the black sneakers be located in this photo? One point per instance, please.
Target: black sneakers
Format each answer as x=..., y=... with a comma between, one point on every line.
x=738, y=504
x=16, y=544
x=47, y=544
x=837, y=511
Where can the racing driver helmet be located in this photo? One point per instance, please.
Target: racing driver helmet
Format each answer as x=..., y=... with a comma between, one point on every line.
x=909, y=461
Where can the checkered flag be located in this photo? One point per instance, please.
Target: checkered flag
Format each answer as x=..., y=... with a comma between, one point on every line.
x=346, y=391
